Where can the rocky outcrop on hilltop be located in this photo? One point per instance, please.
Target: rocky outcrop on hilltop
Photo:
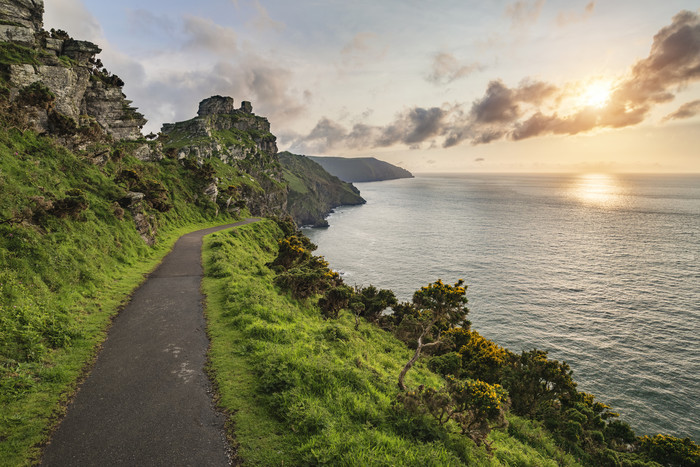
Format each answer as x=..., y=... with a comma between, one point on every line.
x=236, y=137
x=218, y=130
x=56, y=82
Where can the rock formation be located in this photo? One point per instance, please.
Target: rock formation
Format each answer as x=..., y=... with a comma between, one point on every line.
x=239, y=138
x=80, y=90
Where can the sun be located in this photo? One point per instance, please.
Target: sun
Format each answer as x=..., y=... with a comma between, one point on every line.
x=596, y=94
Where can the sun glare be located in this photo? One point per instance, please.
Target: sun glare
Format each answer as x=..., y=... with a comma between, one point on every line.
x=596, y=94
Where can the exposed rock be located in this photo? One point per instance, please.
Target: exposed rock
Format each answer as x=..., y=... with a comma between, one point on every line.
x=247, y=107
x=216, y=105
x=80, y=51
x=19, y=34
x=134, y=197
x=144, y=226
x=67, y=84
x=212, y=191
x=80, y=88
x=28, y=13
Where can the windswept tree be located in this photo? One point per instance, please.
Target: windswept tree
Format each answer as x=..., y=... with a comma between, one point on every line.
x=374, y=301
x=438, y=307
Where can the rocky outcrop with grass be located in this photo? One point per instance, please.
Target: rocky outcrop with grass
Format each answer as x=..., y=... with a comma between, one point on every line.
x=71, y=92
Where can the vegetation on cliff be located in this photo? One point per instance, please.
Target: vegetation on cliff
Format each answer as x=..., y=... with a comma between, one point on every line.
x=313, y=192
x=307, y=378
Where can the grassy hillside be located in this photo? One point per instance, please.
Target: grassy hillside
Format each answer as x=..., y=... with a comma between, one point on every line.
x=69, y=256
x=301, y=390
x=313, y=192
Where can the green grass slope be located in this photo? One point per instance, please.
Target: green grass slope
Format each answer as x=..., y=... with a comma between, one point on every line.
x=69, y=257
x=301, y=390
x=313, y=192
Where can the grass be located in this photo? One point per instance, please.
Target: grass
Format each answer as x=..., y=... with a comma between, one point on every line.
x=301, y=390
x=63, y=277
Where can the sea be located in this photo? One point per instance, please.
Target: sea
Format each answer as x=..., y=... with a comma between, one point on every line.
x=602, y=271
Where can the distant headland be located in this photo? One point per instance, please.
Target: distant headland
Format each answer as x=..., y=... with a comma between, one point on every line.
x=361, y=169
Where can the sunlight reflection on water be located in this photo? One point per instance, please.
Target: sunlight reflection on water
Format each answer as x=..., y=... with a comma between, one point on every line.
x=602, y=190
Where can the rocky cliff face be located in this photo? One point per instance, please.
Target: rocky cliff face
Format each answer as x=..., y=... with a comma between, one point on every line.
x=79, y=92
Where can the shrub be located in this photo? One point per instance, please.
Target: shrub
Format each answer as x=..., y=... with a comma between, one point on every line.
x=472, y=404
x=36, y=95
x=671, y=451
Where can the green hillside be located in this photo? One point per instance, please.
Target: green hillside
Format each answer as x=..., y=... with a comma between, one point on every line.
x=313, y=192
x=304, y=390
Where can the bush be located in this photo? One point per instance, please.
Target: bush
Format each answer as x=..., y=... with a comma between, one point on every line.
x=474, y=405
x=72, y=205
x=671, y=451
x=36, y=95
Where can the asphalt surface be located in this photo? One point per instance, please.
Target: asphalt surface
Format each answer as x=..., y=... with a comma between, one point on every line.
x=147, y=400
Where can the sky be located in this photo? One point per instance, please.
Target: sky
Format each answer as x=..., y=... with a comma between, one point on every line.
x=433, y=86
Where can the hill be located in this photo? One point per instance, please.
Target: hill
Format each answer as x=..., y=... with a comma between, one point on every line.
x=361, y=169
x=313, y=192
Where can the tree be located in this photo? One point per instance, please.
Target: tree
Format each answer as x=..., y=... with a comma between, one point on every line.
x=534, y=380
x=374, y=301
x=334, y=300
x=472, y=404
x=439, y=307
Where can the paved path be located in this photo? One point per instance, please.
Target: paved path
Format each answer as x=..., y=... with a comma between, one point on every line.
x=147, y=400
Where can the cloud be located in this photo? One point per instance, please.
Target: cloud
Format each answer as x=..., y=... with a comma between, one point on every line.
x=264, y=21
x=534, y=108
x=687, y=110
x=567, y=17
x=446, y=68
x=173, y=96
x=361, y=49
x=205, y=34
x=73, y=17
x=523, y=13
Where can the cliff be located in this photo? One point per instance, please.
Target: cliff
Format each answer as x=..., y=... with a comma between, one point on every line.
x=361, y=169
x=313, y=192
x=54, y=84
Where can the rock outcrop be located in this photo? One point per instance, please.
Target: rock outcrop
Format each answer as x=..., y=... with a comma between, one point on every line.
x=78, y=86
x=201, y=136
x=239, y=138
